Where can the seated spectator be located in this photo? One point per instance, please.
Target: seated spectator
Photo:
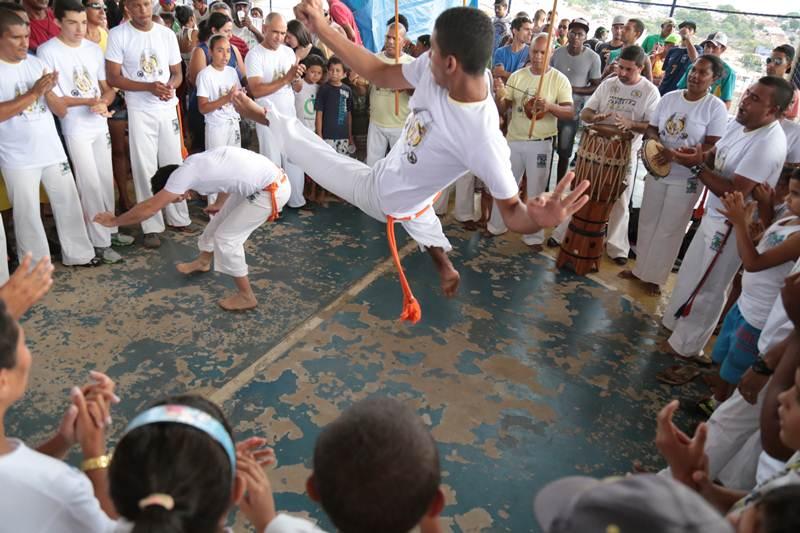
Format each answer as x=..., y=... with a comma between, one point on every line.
x=512, y=57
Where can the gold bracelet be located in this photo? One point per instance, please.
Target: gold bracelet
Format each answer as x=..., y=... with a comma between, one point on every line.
x=96, y=463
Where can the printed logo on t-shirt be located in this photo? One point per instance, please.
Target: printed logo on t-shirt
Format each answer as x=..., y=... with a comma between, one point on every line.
x=278, y=73
x=418, y=124
x=541, y=160
x=675, y=127
x=65, y=170
x=148, y=65
x=774, y=239
x=37, y=107
x=308, y=107
x=84, y=88
x=176, y=126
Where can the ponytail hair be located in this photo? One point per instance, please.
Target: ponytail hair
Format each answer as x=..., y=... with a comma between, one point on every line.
x=214, y=22
x=174, y=462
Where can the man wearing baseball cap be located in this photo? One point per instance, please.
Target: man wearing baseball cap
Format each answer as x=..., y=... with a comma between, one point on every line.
x=603, y=49
x=650, y=42
x=647, y=502
x=716, y=44
x=678, y=60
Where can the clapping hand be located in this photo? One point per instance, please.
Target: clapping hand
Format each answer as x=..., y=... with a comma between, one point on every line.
x=684, y=455
x=735, y=209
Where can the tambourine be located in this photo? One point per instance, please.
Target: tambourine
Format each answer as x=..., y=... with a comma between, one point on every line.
x=649, y=152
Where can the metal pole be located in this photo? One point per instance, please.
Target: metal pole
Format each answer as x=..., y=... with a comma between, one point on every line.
x=672, y=9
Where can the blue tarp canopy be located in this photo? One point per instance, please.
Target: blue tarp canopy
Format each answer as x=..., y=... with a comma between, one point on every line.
x=371, y=17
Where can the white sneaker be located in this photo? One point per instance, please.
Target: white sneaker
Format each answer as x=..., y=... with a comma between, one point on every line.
x=108, y=255
x=120, y=239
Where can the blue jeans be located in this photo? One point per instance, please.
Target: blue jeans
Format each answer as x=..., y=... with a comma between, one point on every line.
x=567, y=129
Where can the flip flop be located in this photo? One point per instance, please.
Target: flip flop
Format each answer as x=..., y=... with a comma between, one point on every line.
x=678, y=374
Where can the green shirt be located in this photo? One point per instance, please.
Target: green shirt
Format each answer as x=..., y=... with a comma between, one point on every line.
x=722, y=88
x=651, y=41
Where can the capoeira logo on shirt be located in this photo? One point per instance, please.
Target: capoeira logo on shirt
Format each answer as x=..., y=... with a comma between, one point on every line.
x=308, y=107
x=148, y=65
x=418, y=124
x=675, y=127
x=37, y=107
x=84, y=88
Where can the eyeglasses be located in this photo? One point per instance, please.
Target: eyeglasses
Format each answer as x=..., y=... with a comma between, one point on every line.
x=777, y=60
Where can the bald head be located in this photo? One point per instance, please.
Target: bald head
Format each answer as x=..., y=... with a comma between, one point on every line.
x=389, y=43
x=274, y=31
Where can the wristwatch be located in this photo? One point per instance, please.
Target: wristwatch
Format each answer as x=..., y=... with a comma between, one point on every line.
x=96, y=463
x=697, y=169
x=760, y=367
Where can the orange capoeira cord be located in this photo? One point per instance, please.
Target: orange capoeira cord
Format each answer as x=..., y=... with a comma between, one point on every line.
x=272, y=189
x=184, y=151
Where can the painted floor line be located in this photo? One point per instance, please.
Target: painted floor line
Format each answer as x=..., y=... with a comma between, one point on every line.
x=311, y=323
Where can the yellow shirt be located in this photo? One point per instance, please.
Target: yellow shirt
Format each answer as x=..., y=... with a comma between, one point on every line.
x=521, y=87
x=103, y=39
x=381, y=101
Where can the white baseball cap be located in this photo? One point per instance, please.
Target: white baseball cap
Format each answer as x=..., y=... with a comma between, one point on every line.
x=718, y=38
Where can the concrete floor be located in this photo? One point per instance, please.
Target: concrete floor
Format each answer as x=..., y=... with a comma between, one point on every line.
x=529, y=374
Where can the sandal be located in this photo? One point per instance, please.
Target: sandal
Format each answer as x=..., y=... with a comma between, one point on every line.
x=678, y=374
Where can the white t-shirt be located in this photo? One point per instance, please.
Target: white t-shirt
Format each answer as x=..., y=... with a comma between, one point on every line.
x=760, y=289
x=145, y=57
x=792, y=131
x=269, y=65
x=757, y=155
x=637, y=102
x=304, y=104
x=79, y=71
x=225, y=169
x=214, y=84
x=283, y=523
x=442, y=139
x=682, y=123
x=44, y=495
x=778, y=326
x=28, y=139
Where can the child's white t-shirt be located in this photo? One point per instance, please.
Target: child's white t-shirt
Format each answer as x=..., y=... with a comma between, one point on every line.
x=145, y=57
x=283, y=523
x=304, y=104
x=79, y=71
x=44, y=495
x=269, y=65
x=224, y=169
x=682, y=123
x=757, y=155
x=214, y=84
x=778, y=326
x=28, y=139
x=442, y=140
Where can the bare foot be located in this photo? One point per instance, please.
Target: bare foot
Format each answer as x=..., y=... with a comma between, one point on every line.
x=198, y=265
x=626, y=274
x=450, y=279
x=238, y=302
x=652, y=289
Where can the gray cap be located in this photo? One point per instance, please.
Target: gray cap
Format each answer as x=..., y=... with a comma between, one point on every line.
x=619, y=19
x=634, y=504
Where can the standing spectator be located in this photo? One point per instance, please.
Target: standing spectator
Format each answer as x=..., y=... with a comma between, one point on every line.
x=305, y=91
x=657, y=58
x=500, y=22
x=631, y=32
x=752, y=151
x=216, y=85
x=271, y=69
x=300, y=41
x=600, y=35
x=582, y=67
x=143, y=59
x=512, y=57
x=561, y=33
x=342, y=15
x=114, y=13
x=422, y=46
x=243, y=26
x=604, y=49
x=723, y=88
x=651, y=41
x=200, y=8
x=679, y=59
x=42, y=24
x=539, y=20
x=780, y=64
x=334, y=105
x=96, y=23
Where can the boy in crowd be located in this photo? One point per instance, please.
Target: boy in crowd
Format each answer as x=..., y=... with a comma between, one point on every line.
x=305, y=91
x=334, y=105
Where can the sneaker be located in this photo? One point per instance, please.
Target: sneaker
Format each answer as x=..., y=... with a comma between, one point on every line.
x=151, y=240
x=120, y=239
x=552, y=243
x=95, y=261
x=108, y=255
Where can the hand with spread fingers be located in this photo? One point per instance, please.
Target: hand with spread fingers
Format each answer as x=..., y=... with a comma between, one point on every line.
x=551, y=209
x=684, y=455
x=26, y=286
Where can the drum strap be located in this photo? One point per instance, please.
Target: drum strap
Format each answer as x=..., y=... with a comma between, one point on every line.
x=686, y=308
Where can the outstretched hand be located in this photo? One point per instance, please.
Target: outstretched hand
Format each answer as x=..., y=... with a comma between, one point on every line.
x=248, y=108
x=551, y=209
x=310, y=13
x=735, y=208
x=26, y=286
x=105, y=219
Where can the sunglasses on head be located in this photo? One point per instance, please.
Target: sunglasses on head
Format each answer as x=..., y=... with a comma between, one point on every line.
x=777, y=60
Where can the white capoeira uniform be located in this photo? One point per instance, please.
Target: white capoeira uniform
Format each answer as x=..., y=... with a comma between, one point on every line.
x=154, y=130
x=3, y=255
x=385, y=126
x=758, y=156
x=636, y=102
x=464, y=206
x=269, y=65
x=428, y=158
x=86, y=133
x=531, y=156
x=258, y=191
x=31, y=154
x=668, y=202
x=733, y=443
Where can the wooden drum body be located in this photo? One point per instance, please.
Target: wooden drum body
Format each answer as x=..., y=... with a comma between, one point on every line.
x=603, y=158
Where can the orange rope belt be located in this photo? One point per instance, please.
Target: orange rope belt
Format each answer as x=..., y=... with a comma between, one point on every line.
x=272, y=189
x=411, y=309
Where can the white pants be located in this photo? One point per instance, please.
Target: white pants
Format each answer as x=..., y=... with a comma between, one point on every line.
x=379, y=141
x=691, y=333
x=665, y=214
x=227, y=134
x=3, y=256
x=531, y=158
x=155, y=141
x=227, y=232
x=348, y=178
x=270, y=147
x=94, y=175
x=23, y=192
x=465, y=199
